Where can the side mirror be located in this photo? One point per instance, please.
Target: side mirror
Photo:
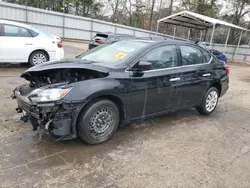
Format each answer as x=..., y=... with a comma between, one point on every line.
x=141, y=66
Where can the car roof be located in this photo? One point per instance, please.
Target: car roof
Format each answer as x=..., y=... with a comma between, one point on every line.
x=14, y=23
x=165, y=41
x=114, y=34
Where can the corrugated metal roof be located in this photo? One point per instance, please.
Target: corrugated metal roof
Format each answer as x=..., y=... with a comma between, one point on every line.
x=194, y=20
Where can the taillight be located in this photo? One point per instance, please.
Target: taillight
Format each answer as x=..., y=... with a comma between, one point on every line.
x=99, y=42
x=59, y=44
x=227, y=69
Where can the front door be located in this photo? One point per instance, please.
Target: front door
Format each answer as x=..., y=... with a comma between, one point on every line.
x=16, y=43
x=157, y=89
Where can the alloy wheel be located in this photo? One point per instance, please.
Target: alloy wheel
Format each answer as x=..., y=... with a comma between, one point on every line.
x=211, y=101
x=39, y=58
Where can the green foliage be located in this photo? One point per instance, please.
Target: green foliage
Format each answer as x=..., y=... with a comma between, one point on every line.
x=78, y=7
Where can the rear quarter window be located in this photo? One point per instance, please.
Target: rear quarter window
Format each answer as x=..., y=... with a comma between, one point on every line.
x=33, y=33
x=207, y=56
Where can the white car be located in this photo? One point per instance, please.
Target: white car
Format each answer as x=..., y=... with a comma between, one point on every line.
x=20, y=43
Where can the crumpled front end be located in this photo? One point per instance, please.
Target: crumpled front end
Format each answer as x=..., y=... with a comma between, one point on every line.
x=43, y=101
x=54, y=117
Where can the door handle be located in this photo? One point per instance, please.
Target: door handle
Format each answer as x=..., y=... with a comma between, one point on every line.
x=208, y=74
x=28, y=44
x=174, y=79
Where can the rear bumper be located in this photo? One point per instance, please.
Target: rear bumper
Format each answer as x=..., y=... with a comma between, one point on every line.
x=56, y=119
x=224, y=86
x=56, y=55
x=59, y=53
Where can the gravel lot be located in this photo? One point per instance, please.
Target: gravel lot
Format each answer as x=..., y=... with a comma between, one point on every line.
x=182, y=149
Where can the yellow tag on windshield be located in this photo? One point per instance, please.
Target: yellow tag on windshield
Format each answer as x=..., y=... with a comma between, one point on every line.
x=120, y=56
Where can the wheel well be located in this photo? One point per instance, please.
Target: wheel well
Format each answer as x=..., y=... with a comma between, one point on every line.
x=38, y=51
x=217, y=86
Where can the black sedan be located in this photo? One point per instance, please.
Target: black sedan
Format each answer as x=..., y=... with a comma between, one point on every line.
x=108, y=38
x=117, y=84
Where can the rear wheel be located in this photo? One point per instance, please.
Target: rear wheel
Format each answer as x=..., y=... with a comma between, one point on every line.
x=209, y=102
x=98, y=122
x=38, y=57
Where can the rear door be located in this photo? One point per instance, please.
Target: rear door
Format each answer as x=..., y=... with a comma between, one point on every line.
x=195, y=74
x=17, y=43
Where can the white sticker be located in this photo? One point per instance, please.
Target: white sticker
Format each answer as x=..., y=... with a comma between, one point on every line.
x=126, y=49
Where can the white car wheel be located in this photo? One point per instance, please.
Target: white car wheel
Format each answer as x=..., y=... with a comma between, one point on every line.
x=37, y=58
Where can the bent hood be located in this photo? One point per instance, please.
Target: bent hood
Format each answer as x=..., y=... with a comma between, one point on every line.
x=66, y=64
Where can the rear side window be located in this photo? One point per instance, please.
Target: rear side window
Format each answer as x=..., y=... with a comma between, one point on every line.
x=15, y=31
x=191, y=55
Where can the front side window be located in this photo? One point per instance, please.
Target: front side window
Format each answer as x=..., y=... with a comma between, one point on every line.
x=15, y=31
x=191, y=55
x=162, y=57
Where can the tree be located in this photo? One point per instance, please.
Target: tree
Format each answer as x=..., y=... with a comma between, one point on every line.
x=151, y=14
x=235, y=15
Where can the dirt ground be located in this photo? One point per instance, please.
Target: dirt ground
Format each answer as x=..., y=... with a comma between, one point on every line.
x=182, y=149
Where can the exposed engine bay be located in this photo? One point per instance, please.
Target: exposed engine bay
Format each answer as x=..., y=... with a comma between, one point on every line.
x=53, y=76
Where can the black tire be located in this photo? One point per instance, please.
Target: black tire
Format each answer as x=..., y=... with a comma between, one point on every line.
x=43, y=58
x=202, y=109
x=88, y=129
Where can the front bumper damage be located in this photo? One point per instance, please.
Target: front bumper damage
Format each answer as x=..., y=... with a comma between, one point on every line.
x=56, y=118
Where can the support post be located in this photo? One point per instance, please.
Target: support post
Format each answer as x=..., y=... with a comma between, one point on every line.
x=157, y=28
x=91, y=28
x=200, y=35
x=212, y=35
x=238, y=44
x=188, y=34
x=174, y=32
x=63, y=25
x=225, y=47
x=115, y=27
x=26, y=13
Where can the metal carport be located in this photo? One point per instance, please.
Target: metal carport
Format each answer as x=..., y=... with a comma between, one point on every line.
x=200, y=22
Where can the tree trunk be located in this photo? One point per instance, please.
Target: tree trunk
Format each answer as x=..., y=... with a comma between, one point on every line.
x=151, y=15
x=171, y=7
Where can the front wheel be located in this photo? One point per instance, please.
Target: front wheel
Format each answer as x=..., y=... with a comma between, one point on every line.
x=98, y=122
x=209, y=102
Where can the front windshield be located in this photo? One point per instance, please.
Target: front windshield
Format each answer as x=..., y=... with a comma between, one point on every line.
x=112, y=55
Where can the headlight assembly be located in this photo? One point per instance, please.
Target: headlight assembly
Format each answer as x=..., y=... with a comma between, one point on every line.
x=46, y=95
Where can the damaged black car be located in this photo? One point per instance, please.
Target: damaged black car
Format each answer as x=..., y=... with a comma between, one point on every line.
x=117, y=84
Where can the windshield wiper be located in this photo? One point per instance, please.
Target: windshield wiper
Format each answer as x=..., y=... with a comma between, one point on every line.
x=90, y=61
